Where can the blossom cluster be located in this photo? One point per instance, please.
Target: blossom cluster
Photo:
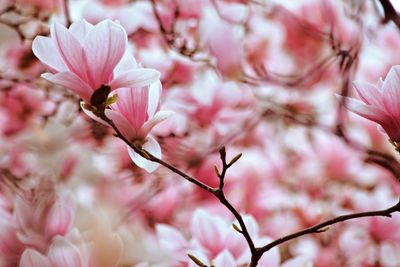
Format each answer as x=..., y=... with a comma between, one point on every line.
x=115, y=116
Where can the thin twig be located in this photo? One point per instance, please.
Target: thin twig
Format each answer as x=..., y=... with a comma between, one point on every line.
x=321, y=227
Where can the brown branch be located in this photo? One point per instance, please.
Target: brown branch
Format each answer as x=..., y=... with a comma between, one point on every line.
x=390, y=13
x=217, y=192
x=150, y=157
x=67, y=13
x=321, y=227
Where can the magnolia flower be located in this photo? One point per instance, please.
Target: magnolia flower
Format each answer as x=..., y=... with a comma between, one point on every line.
x=68, y=251
x=134, y=114
x=85, y=57
x=380, y=103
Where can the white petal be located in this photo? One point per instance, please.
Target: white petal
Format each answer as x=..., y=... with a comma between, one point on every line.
x=32, y=258
x=70, y=81
x=80, y=29
x=91, y=114
x=135, y=78
x=158, y=117
x=151, y=146
x=46, y=51
x=154, y=98
x=126, y=64
x=225, y=259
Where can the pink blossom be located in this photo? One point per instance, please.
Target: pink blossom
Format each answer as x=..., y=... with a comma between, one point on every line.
x=85, y=57
x=63, y=252
x=42, y=218
x=223, y=44
x=135, y=114
x=380, y=103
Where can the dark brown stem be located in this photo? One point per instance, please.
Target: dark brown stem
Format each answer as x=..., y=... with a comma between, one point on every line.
x=222, y=198
x=217, y=192
x=150, y=157
x=256, y=253
x=66, y=13
x=390, y=13
x=322, y=227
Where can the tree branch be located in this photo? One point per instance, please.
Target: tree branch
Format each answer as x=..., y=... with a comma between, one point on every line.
x=390, y=13
x=321, y=227
x=217, y=192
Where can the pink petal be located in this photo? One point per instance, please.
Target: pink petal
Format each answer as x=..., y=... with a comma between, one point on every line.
x=222, y=43
x=171, y=238
x=208, y=231
x=367, y=111
x=389, y=254
x=369, y=93
x=151, y=146
x=126, y=64
x=69, y=49
x=64, y=254
x=122, y=124
x=80, y=29
x=154, y=98
x=104, y=46
x=391, y=92
x=32, y=258
x=59, y=220
x=158, y=117
x=135, y=78
x=133, y=105
x=46, y=51
x=70, y=81
x=271, y=258
x=225, y=259
x=298, y=262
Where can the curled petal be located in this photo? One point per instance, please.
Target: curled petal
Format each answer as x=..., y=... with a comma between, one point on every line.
x=46, y=51
x=158, y=117
x=151, y=146
x=70, y=81
x=367, y=111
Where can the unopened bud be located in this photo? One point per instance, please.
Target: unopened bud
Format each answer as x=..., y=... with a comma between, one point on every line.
x=196, y=260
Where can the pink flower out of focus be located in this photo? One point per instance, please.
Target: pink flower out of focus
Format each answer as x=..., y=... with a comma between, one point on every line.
x=380, y=103
x=85, y=57
x=134, y=114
